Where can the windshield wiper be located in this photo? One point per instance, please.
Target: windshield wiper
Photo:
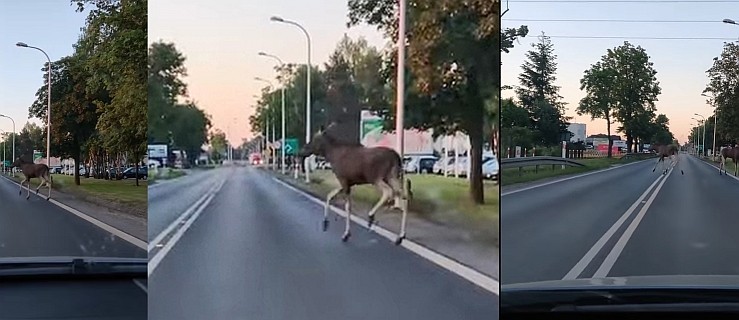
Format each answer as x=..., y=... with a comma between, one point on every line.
x=72, y=266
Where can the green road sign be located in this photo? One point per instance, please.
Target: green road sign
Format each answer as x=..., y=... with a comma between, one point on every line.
x=7, y=163
x=291, y=146
x=37, y=155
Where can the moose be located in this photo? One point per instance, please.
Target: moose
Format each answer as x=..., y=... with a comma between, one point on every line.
x=33, y=170
x=666, y=151
x=354, y=164
x=726, y=153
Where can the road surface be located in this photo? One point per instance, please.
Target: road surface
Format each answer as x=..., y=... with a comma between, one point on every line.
x=256, y=251
x=36, y=227
x=625, y=221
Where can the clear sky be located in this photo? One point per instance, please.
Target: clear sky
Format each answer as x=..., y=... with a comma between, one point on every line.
x=221, y=43
x=52, y=25
x=681, y=64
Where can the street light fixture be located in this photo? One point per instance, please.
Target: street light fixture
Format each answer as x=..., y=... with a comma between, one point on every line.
x=48, y=110
x=273, y=124
x=703, y=151
x=729, y=21
x=715, y=124
x=282, y=93
x=307, y=93
x=11, y=119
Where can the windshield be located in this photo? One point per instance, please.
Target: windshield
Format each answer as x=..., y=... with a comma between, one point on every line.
x=613, y=184
x=74, y=202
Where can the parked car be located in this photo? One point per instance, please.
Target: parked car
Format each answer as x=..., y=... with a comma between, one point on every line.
x=490, y=168
x=56, y=169
x=131, y=173
x=420, y=164
x=438, y=167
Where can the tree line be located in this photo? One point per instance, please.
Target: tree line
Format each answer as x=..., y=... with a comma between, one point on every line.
x=452, y=78
x=619, y=88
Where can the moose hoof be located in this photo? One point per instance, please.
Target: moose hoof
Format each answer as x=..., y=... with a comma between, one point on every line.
x=681, y=172
x=370, y=221
x=346, y=236
x=325, y=225
x=399, y=240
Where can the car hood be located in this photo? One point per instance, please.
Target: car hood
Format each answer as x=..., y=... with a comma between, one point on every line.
x=663, y=281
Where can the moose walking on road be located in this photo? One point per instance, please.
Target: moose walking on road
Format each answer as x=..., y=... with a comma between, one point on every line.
x=32, y=170
x=729, y=152
x=670, y=151
x=354, y=164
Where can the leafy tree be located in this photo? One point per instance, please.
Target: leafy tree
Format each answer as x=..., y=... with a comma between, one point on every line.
x=218, y=144
x=539, y=95
x=722, y=86
x=452, y=75
x=599, y=101
x=165, y=87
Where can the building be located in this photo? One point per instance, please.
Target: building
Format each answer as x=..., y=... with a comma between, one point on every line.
x=578, y=132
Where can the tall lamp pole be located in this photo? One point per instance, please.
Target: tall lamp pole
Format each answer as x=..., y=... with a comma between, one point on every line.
x=271, y=120
x=48, y=108
x=282, y=120
x=307, y=91
x=11, y=119
x=703, y=121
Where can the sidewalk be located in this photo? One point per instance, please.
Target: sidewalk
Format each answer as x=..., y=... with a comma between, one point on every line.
x=126, y=219
x=452, y=242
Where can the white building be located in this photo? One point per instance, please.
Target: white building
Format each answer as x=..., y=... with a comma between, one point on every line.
x=578, y=132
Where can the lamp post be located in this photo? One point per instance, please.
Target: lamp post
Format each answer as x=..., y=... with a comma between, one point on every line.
x=307, y=91
x=13, y=152
x=715, y=124
x=282, y=120
x=729, y=21
x=703, y=151
x=269, y=110
x=399, y=110
x=48, y=108
x=696, y=136
x=4, y=144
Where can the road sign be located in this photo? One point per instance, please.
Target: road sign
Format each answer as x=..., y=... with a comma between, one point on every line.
x=37, y=155
x=291, y=146
x=7, y=163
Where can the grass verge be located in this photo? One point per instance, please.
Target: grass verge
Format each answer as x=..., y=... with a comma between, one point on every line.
x=442, y=200
x=124, y=192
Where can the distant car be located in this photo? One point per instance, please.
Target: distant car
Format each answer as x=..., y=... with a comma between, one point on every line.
x=421, y=164
x=438, y=167
x=56, y=169
x=131, y=173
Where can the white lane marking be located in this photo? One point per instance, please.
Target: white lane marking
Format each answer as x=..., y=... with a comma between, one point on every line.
x=158, y=239
x=461, y=270
x=610, y=260
x=159, y=256
x=140, y=285
x=590, y=255
x=569, y=178
x=117, y=232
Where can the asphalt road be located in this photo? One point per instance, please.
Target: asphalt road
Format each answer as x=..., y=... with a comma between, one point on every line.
x=623, y=222
x=36, y=227
x=256, y=251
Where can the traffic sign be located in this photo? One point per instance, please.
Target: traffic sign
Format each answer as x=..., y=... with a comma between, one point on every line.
x=7, y=163
x=37, y=155
x=291, y=146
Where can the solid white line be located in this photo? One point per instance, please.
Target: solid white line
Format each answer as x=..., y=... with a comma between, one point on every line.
x=610, y=260
x=117, y=232
x=154, y=261
x=590, y=255
x=179, y=219
x=461, y=270
x=569, y=178
x=140, y=285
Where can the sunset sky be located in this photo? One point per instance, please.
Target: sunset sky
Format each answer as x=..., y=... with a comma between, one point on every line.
x=681, y=64
x=221, y=43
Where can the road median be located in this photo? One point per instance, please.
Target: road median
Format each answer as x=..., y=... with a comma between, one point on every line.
x=440, y=217
x=515, y=176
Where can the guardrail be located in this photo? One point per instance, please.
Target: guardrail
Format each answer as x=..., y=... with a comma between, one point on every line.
x=537, y=161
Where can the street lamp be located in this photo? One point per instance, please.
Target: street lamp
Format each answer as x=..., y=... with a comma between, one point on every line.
x=696, y=136
x=272, y=153
x=282, y=145
x=729, y=21
x=399, y=110
x=11, y=119
x=715, y=124
x=703, y=151
x=48, y=108
x=307, y=90
x=4, y=144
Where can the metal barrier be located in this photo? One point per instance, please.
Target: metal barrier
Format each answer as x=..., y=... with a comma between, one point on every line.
x=537, y=161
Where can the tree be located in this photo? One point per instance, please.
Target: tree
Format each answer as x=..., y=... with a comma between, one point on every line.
x=218, y=144
x=452, y=75
x=599, y=101
x=165, y=87
x=539, y=95
x=723, y=78
x=635, y=88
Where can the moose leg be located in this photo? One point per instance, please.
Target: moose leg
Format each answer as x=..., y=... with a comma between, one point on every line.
x=656, y=164
x=348, y=209
x=397, y=192
x=401, y=235
x=21, y=189
x=28, y=194
x=386, y=193
x=330, y=196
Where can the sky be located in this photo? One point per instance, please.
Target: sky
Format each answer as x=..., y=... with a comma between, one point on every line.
x=220, y=44
x=52, y=25
x=680, y=64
